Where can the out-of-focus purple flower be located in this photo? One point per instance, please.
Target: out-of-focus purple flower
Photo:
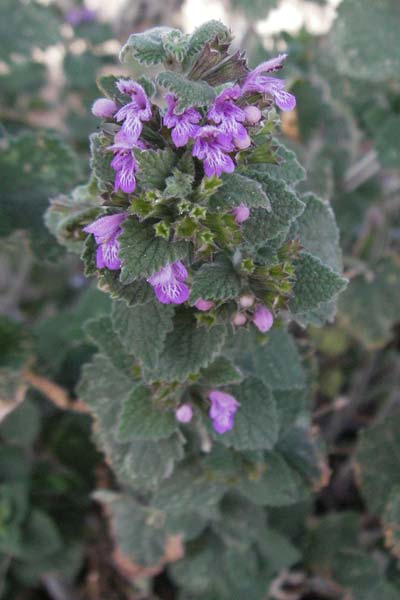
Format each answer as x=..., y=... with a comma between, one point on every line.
x=106, y=231
x=253, y=114
x=211, y=146
x=230, y=117
x=204, y=305
x=246, y=300
x=135, y=112
x=222, y=411
x=184, y=126
x=104, y=108
x=168, y=283
x=184, y=413
x=76, y=16
x=256, y=81
x=263, y=318
x=241, y=213
x=124, y=163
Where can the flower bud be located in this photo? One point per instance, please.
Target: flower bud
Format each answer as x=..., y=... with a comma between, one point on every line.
x=263, y=318
x=239, y=319
x=104, y=108
x=241, y=213
x=253, y=114
x=242, y=143
x=184, y=413
x=246, y=300
x=204, y=305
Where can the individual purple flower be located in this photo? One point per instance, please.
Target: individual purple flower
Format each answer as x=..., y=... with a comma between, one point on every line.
x=230, y=117
x=239, y=319
x=212, y=147
x=124, y=163
x=76, y=16
x=106, y=231
x=263, y=318
x=222, y=410
x=263, y=84
x=104, y=108
x=184, y=413
x=168, y=283
x=204, y=305
x=241, y=213
x=136, y=111
x=183, y=126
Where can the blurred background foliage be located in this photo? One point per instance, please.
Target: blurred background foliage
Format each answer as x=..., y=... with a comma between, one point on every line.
x=344, y=68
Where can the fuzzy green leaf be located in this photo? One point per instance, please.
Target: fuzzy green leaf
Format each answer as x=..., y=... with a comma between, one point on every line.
x=237, y=189
x=100, y=159
x=142, y=253
x=315, y=284
x=221, y=372
x=142, y=420
x=256, y=420
x=190, y=93
x=188, y=348
x=216, y=281
x=142, y=329
x=205, y=33
x=146, y=48
x=154, y=168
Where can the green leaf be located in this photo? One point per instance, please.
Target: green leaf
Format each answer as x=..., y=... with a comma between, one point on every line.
x=141, y=419
x=285, y=208
x=142, y=254
x=154, y=168
x=221, y=372
x=41, y=537
x=16, y=344
x=205, y=33
x=315, y=284
x=178, y=185
x=146, y=48
x=238, y=189
x=140, y=535
x=215, y=281
x=137, y=292
x=318, y=232
x=188, y=489
x=175, y=44
x=378, y=462
x=365, y=39
x=273, y=484
x=190, y=93
x=288, y=168
x=188, y=348
x=100, y=161
x=22, y=426
x=33, y=167
x=277, y=363
x=256, y=420
x=142, y=329
x=369, y=307
x=101, y=333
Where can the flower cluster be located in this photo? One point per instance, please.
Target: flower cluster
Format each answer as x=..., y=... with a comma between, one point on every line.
x=223, y=407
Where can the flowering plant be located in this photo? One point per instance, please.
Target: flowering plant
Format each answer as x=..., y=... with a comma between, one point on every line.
x=192, y=223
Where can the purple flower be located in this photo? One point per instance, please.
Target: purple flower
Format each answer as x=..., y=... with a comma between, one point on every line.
x=263, y=318
x=262, y=84
x=106, y=231
x=222, y=411
x=241, y=213
x=135, y=112
x=184, y=413
x=124, y=163
x=183, y=125
x=211, y=146
x=168, y=283
x=104, y=108
x=230, y=117
x=204, y=305
x=76, y=16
